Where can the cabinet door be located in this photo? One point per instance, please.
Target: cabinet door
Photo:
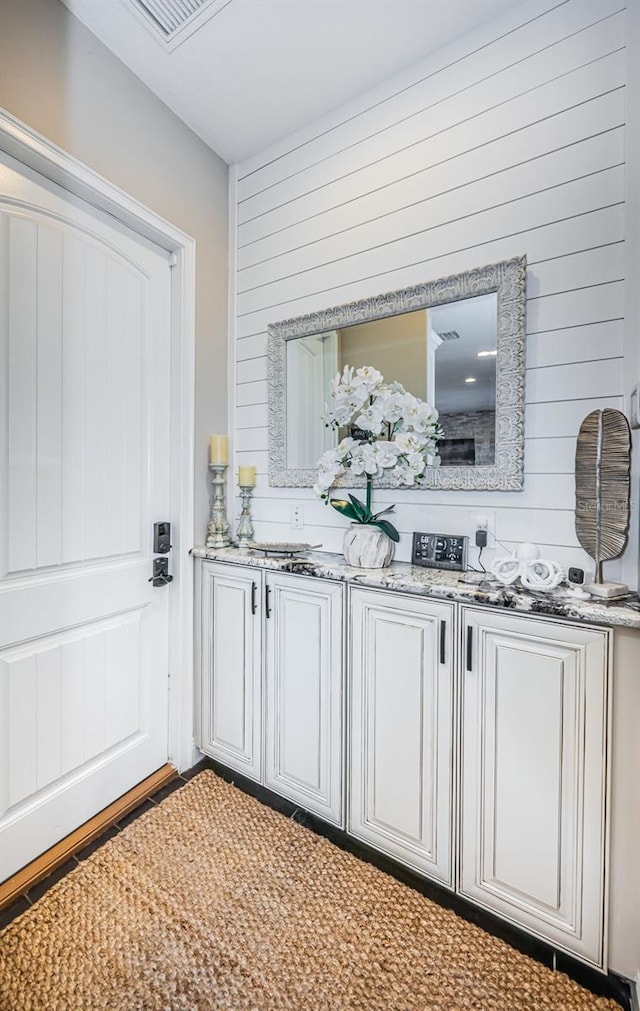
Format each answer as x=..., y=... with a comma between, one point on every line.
x=402, y=728
x=230, y=666
x=304, y=693
x=533, y=775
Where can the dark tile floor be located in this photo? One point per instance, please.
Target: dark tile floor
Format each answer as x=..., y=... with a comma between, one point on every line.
x=24, y=901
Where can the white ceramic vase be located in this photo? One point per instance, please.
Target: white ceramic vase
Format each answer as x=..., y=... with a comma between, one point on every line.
x=367, y=547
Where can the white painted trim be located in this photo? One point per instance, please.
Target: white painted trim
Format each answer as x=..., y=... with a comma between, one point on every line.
x=232, y=367
x=181, y=707
x=631, y=559
x=45, y=157
x=37, y=153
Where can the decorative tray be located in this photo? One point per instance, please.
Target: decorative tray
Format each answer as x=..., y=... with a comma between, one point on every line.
x=285, y=548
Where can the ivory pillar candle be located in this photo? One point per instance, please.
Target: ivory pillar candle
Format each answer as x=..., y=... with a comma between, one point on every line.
x=247, y=477
x=218, y=449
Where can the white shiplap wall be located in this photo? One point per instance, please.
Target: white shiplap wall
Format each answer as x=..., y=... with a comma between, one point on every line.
x=511, y=141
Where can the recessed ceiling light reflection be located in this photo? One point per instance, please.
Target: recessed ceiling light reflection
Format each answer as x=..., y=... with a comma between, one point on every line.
x=470, y=379
x=487, y=354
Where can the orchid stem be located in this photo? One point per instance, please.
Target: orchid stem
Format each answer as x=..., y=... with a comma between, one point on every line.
x=369, y=484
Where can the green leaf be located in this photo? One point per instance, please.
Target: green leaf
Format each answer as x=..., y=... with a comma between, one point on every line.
x=345, y=508
x=382, y=512
x=361, y=511
x=388, y=529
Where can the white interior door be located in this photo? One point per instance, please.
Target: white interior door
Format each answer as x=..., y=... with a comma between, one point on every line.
x=84, y=465
x=311, y=363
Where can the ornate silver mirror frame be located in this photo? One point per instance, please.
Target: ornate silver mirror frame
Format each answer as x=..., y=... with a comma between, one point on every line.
x=507, y=279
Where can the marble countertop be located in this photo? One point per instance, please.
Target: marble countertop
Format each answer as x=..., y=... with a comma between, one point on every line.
x=443, y=584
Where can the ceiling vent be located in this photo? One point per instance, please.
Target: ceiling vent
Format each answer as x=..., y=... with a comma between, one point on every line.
x=449, y=335
x=174, y=21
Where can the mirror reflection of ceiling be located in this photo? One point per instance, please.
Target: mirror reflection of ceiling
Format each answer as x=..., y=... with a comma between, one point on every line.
x=457, y=359
x=461, y=336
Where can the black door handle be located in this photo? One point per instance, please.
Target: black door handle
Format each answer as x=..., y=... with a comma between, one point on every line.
x=161, y=575
x=443, y=639
x=254, y=606
x=266, y=600
x=469, y=647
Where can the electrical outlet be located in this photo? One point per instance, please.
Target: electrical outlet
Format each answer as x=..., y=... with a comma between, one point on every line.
x=297, y=517
x=483, y=520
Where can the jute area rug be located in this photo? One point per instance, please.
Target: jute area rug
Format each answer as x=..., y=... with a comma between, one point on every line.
x=212, y=901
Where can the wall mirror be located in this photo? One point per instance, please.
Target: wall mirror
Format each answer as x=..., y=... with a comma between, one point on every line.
x=458, y=342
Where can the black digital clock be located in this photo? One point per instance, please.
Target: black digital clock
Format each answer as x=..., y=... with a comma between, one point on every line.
x=440, y=551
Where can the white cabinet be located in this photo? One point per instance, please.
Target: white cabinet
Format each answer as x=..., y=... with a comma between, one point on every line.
x=401, y=755
x=477, y=738
x=304, y=692
x=534, y=725
x=271, y=681
x=230, y=666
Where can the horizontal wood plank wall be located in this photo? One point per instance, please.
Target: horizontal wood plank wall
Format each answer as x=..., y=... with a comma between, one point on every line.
x=510, y=141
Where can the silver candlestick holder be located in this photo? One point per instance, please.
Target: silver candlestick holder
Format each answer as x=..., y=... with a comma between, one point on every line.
x=218, y=530
x=244, y=532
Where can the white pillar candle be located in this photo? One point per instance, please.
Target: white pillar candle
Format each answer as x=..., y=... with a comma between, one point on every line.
x=247, y=477
x=218, y=449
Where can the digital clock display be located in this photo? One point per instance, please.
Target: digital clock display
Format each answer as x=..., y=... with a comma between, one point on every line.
x=440, y=551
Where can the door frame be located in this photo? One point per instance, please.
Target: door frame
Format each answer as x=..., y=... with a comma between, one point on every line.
x=44, y=157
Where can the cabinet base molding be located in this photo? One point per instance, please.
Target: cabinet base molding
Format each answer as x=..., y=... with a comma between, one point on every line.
x=610, y=985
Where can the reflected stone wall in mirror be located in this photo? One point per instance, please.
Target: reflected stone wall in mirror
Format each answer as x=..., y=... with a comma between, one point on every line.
x=457, y=343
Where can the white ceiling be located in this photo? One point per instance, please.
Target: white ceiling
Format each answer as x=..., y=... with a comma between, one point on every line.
x=260, y=69
x=475, y=319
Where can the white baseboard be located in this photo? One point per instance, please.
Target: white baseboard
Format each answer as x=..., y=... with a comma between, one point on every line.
x=197, y=755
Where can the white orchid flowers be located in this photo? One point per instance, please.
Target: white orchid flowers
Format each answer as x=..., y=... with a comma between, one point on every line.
x=400, y=433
